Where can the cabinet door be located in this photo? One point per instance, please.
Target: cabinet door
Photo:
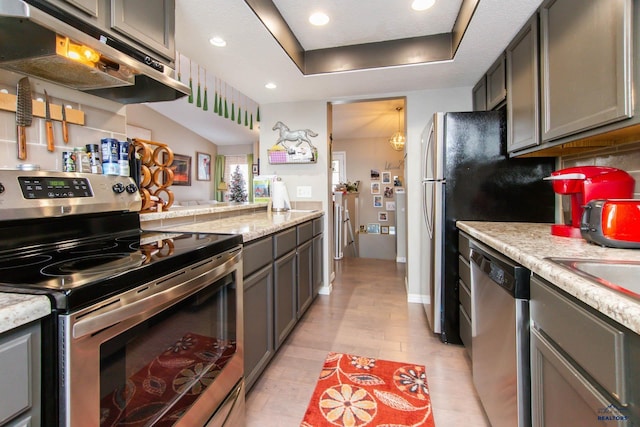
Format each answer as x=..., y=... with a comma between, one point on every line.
x=285, y=310
x=90, y=7
x=150, y=23
x=523, y=105
x=496, y=87
x=585, y=64
x=560, y=395
x=479, y=94
x=305, y=276
x=318, y=257
x=258, y=323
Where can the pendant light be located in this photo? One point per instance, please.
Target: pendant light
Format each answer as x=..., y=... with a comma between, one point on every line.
x=398, y=139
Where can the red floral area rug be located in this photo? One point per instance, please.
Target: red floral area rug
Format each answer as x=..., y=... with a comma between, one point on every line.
x=163, y=390
x=357, y=391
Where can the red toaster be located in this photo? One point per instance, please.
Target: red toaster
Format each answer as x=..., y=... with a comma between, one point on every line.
x=614, y=223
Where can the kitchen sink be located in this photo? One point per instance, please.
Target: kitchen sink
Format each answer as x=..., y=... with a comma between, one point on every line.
x=622, y=276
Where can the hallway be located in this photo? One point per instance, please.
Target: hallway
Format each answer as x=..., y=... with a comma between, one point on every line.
x=366, y=314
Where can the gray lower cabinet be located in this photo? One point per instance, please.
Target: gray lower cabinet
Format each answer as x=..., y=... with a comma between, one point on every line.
x=20, y=369
x=586, y=64
x=282, y=275
x=286, y=307
x=523, y=104
x=258, y=323
x=304, y=266
x=584, y=366
x=464, y=298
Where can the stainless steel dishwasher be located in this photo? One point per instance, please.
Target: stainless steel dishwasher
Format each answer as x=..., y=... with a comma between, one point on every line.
x=501, y=367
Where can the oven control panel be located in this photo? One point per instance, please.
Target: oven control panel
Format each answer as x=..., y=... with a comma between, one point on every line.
x=39, y=187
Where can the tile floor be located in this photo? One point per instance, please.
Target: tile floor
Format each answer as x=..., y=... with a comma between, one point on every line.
x=366, y=314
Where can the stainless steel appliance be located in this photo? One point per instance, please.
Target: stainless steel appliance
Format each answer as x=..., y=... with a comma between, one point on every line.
x=467, y=175
x=39, y=38
x=501, y=366
x=146, y=326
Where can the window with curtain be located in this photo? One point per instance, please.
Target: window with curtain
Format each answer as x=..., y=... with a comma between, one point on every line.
x=230, y=164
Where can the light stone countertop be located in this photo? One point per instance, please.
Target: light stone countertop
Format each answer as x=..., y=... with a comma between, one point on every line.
x=19, y=309
x=182, y=211
x=252, y=226
x=529, y=244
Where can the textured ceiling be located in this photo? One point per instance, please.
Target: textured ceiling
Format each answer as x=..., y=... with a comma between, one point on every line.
x=253, y=57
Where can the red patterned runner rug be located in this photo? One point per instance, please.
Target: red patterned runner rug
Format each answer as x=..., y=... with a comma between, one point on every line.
x=355, y=391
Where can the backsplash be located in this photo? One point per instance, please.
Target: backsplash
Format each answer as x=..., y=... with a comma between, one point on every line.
x=99, y=123
x=625, y=157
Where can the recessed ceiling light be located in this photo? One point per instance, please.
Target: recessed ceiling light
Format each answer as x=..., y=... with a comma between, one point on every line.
x=270, y=85
x=217, y=41
x=422, y=4
x=319, y=18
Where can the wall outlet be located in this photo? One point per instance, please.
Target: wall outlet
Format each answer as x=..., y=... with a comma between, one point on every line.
x=303, y=191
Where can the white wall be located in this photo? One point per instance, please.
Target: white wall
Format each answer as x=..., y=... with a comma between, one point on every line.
x=301, y=115
x=313, y=115
x=182, y=141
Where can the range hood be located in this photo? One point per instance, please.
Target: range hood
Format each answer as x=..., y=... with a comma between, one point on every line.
x=46, y=43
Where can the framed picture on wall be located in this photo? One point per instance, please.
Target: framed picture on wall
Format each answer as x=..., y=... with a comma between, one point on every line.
x=181, y=168
x=384, y=229
x=255, y=169
x=377, y=201
x=388, y=192
x=386, y=177
x=204, y=166
x=373, y=228
x=375, y=188
x=375, y=174
x=391, y=206
x=383, y=216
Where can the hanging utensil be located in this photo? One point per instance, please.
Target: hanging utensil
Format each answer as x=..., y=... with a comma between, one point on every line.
x=205, y=103
x=65, y=127
x=198, y=100
x=24, y=115
x=47, y=122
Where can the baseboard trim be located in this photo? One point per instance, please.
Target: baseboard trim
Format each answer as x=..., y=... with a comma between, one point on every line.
x=414, y=298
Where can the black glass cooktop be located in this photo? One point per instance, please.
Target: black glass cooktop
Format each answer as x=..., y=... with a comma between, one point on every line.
x=80, y=271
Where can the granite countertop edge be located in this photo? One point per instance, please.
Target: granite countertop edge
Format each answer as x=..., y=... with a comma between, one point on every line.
x=530, y=245
x=183, y=211
x=20, y=309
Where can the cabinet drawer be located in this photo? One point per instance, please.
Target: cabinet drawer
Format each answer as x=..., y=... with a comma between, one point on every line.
x=463, y=246
x=465, y=330
x=464, y=270
x=304, y=232
x=465, y=297
x=284, y=242
x=318, y=226
x=598, y=347
x=256, y=255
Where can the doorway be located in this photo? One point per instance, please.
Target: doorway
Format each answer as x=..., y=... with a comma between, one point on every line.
x=374, y=171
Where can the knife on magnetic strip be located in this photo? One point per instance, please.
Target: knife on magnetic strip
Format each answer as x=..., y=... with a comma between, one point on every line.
x=65, y=129
x=48, y=123
x=24, y=115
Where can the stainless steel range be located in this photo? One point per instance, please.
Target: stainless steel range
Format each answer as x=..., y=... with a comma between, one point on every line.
x=146, y=326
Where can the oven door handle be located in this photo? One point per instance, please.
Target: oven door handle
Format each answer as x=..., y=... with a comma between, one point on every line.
x=154, y=303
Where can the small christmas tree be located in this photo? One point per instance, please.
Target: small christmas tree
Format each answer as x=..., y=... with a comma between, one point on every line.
x=237, y=187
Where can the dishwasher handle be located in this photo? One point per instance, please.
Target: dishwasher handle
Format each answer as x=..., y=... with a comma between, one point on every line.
x=513, y=278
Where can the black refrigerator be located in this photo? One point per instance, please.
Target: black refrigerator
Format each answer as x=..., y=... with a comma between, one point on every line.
x=467, y=175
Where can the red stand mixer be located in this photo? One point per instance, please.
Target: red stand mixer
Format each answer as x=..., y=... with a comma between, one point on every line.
x=585, y=183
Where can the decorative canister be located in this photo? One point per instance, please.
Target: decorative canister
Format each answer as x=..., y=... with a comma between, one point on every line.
x=82, y=160
x=123, y=157
x=93, y=152
x=110, y=152
x=68, y=161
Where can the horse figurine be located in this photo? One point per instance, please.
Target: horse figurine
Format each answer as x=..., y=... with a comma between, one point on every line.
x=298, y=136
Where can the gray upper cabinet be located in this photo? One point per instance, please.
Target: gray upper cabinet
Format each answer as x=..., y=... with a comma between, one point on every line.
x=150, y=23
x=523, y=105
x=479, y=94
x=90, y=7
x=496, y=86
x=585, y=64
